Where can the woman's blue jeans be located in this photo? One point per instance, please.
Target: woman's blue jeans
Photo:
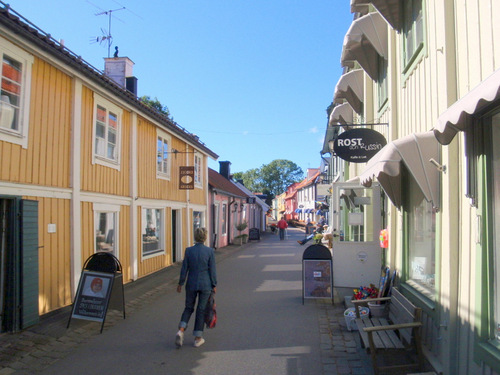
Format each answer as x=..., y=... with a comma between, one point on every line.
x=199, y=323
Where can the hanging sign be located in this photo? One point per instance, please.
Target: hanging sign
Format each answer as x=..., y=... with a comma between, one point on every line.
x=186, y=178
x=358, y=145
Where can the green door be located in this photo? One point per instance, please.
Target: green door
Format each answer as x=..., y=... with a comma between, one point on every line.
x=18, y=263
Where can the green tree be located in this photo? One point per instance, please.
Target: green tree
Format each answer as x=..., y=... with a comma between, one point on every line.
x=271, y=179
x=279, y=174
x=155, y=104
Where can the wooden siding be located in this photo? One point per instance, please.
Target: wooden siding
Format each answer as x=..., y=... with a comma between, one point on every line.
x=152, y=187
x=54, y=253
x=47, y=158
x=88, y=236
x=95, y=177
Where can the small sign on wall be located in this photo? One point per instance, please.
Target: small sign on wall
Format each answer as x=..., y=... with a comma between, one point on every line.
x=186, y=178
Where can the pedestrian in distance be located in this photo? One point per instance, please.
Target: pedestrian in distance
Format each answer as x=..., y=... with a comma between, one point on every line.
x=198, y=267
x=282, y=225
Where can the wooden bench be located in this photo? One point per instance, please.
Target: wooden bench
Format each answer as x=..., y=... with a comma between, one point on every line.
x=395, y=334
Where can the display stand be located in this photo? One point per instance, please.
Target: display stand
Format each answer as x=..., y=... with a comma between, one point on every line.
x=100, y=288
x=317, y=268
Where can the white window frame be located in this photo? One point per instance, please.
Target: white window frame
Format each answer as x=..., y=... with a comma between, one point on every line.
x=198, y=170
x=110, y=107
x=162, y=234
x=166, y=138
x=99, y=208
x=26, y=60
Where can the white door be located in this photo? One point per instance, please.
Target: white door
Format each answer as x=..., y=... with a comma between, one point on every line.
x=356, y=221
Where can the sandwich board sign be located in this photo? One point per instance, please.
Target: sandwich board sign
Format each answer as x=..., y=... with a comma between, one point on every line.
x=99, y=290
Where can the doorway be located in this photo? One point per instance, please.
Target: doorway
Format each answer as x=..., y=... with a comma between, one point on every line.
x=356, y=219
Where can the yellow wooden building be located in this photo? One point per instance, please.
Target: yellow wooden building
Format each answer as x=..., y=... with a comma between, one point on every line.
x=84, y=167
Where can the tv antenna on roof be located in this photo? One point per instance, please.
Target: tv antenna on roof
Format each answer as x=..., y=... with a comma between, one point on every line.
x=106, y=37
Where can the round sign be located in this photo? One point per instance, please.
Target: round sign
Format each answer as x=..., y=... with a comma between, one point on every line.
x=187, y=179
x=358, y=145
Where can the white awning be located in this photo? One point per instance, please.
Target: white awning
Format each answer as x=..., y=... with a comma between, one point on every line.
x=350, y=87
x=341, y=114
x=360, y=6
x=457, y=117
x=366, y=38
x=415, y=151
x=391, y=10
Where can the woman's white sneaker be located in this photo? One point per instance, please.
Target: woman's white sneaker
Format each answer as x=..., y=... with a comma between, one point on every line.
x=179, y=339
x=198, y=343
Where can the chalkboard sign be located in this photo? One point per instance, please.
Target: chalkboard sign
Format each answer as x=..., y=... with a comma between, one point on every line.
x=92, y=298
x=254, y=234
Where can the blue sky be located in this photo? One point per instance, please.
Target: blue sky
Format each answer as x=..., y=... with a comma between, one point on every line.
x=252, y=79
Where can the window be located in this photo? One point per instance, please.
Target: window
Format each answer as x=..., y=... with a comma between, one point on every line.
x=355, y=206
x=197, y=169
x=413, y=30
x=106, y=228
x=107, y=119
x=162, y=152
x=152, y=231
x=495, y=187
x=420, y=223
x=197, y=220
x=488, y=320
x=15, y=93
x=382, y=81
x=223, y=221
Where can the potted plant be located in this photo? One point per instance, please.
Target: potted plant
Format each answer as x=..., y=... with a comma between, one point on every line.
x=241, y=238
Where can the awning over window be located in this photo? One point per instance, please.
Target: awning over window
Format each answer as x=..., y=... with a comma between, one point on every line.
x=391, y=10
x=365, y=39
x=350, y=87
x=457, y=117
x=331, y=133
x=341, y=114
x=415, y=151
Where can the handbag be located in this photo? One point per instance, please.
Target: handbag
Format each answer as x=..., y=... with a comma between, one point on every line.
x=211, y=312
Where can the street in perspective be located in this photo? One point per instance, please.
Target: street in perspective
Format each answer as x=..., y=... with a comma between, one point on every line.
x=263, y=326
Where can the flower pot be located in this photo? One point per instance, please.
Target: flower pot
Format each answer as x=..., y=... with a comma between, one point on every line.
x=378, y=311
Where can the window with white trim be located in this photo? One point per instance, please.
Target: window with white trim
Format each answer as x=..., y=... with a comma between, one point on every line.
x=15, y=93
x=162, y=155
x=153, y=238
x=198, y=162
x=106, y=228
x=107, y=127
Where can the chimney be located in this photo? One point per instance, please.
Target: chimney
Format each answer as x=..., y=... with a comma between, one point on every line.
x=119, y=69
x=225, y=169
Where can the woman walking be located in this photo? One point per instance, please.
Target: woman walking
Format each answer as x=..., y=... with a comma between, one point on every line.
x=198, y=267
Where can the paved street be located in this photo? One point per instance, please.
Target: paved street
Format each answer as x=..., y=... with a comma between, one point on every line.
x=262, y=328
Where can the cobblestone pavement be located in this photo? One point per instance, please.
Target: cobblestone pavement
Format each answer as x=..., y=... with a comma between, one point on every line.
x=36, y=348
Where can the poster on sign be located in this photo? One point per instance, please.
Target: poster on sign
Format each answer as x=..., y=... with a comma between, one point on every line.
x=92, y=299
x=317, y=279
